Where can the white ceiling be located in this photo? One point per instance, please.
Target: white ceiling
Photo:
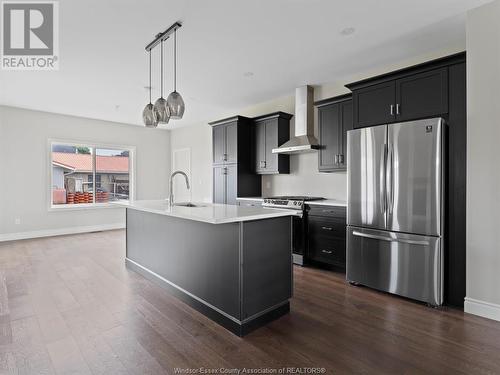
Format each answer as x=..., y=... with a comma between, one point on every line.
x=284, y=43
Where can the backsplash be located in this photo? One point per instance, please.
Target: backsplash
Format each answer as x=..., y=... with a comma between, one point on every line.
x=304, y=179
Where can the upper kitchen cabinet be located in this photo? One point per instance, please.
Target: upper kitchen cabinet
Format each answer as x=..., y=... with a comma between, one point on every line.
x=374, y=104
x=334, y=120
x=233, y=169
x=225, y=139
x=271, y=131
x=401, y=96
x=422, y=95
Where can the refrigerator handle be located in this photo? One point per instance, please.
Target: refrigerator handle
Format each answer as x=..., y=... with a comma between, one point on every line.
x=389, y=180
x=390, y=239
x=383, y=180
x=391, y=209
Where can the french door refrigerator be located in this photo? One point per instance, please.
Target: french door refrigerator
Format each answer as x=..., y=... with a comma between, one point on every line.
x=395, y=208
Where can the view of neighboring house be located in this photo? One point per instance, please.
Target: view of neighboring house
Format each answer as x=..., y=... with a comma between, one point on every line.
x=74, y=172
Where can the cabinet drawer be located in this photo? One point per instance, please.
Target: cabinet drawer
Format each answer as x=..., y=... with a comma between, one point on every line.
x=326, y=227
x=327, y=250
x=329, y=211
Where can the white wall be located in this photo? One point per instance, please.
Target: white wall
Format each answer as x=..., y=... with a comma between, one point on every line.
x=24, y=176
x=483, y=160
x=304, y=177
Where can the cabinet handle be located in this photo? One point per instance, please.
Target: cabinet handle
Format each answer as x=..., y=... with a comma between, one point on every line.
x=224, y=157
x=392, y=109
x=327, y=228
x=224, y=170
x=341, y=157
x=329, y=211
x=327, y=251
x=262, y=164
x=336, y=160
x=397, y=109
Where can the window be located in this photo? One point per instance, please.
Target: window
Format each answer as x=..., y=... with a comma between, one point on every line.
x=75, y=168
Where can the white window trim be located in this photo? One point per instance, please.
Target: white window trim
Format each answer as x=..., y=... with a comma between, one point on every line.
x=86, y=143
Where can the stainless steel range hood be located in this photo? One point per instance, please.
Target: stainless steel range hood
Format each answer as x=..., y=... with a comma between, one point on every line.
x=304, y=140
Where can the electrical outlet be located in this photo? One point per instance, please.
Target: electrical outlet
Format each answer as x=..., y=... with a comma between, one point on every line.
x=17, y=220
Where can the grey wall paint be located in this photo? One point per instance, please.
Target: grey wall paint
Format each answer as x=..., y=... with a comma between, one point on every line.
x=24, y=167
x=483, y=155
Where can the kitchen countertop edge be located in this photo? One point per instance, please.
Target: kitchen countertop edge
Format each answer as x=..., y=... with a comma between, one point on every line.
x=239, y=214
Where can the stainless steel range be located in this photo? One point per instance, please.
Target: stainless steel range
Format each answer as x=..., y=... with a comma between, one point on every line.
x=297, y=203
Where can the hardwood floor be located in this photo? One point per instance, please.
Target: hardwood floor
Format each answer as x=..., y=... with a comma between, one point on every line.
x=68, y=305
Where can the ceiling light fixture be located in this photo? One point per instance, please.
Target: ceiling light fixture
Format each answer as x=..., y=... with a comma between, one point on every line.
x=347, y=31
x=173, y=107
x=148, y=115
x=161, y=109
x=174, y=100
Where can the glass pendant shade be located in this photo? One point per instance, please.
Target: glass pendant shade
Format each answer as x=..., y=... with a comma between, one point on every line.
x=176, y=105
x=148, y=116
x=162, y=111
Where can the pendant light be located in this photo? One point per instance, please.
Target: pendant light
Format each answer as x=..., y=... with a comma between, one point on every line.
x=161, y=109
x=174, y=100
x=148, y=115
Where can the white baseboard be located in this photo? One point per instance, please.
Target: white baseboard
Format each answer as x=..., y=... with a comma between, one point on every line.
x=485, y=309
x=59, y=232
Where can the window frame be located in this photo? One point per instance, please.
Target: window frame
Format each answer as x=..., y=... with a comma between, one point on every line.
x=94, y=145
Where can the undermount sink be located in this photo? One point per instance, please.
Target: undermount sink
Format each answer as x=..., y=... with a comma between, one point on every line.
x=188, y=204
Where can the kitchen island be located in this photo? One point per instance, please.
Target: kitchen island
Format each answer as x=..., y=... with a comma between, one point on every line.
x=231, y=263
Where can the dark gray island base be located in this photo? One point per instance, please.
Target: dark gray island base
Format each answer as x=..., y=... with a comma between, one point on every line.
x=238, y=274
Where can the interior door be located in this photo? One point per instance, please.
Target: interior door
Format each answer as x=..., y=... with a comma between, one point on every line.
x=414, y=180
x=366, y=152
x=181, y=161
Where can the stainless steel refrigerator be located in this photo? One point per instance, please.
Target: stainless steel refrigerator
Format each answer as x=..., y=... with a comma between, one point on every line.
x=395, y=208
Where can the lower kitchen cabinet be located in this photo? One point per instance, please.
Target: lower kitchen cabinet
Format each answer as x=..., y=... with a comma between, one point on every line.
x=327, y=235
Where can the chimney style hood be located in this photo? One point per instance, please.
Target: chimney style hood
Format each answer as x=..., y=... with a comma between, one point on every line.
x=304, y=140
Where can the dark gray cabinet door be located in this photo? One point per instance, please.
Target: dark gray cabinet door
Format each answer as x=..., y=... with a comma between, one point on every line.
x=260, y=146
x=219, y=144
x=231, y=173
x=422, y=95
x=347, y=124
x=329, y=133
x=374, y=105
x=219, y=180
x=232, y=142
x=271, y=142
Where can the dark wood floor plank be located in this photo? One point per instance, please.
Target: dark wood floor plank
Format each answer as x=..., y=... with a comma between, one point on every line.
x=73, y=297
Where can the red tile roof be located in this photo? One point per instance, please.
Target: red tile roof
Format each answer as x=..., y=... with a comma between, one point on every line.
x=83, y=162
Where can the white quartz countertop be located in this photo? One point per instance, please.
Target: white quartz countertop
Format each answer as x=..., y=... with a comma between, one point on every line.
x=207, y=212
